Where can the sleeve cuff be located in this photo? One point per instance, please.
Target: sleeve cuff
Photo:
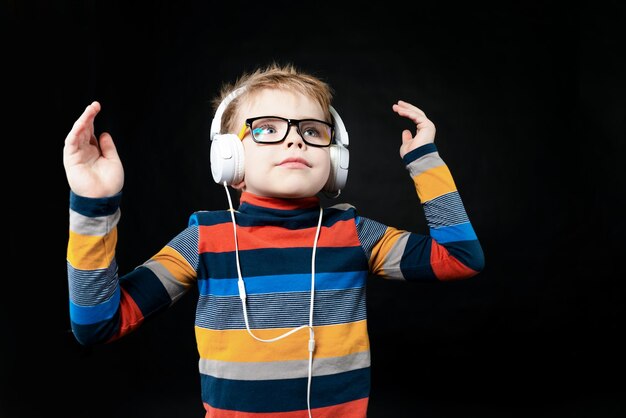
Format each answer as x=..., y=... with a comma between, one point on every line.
x=94, y=207
x=419, y=152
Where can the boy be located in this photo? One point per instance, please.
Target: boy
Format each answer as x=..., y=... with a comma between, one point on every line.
x=281, y=321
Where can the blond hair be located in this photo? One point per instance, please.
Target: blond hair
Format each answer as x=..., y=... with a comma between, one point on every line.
x=273, y=76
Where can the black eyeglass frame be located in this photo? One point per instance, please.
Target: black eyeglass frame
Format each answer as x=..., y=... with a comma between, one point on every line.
x=290, y=123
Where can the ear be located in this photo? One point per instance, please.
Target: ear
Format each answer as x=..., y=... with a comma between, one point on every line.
x=239, y=186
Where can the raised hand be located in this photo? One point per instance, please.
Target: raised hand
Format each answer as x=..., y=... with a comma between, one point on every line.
x=425, y=129
x=92, y=166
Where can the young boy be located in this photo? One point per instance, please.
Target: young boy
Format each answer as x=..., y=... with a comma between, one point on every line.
x=281, y=319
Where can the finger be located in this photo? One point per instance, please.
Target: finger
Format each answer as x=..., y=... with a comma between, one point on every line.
x=415, y=116
x=107, y=146
x=83, y=124
x=407, y=105
x=88, y=114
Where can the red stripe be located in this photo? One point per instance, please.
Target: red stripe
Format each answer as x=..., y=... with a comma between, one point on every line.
x=130, y=315
x=446, y=266
x=353, y=409
x=276, y=203
x=220, y=238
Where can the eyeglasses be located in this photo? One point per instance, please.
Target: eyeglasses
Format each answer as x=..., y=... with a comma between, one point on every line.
x=274, y=129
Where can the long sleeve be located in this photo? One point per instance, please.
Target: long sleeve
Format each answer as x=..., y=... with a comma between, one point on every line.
x=451, y=250
x=104, y=306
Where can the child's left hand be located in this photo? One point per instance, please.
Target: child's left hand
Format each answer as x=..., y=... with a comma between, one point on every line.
x=425, y=128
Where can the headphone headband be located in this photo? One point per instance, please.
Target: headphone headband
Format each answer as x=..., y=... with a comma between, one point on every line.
x=216, y=124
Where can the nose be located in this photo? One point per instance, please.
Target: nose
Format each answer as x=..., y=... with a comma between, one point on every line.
x=294, y=139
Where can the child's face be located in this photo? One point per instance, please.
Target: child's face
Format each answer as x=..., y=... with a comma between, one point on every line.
x=270, y=169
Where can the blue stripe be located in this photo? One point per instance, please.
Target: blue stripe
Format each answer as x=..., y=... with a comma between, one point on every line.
x=285, y=395
x=85, y=315
x=459, y=232
x=283, y=283
x=93, y=207
x=281, y=261
x=208, y=218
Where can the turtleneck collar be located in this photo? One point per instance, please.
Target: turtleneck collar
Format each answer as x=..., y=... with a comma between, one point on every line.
x=248, y=199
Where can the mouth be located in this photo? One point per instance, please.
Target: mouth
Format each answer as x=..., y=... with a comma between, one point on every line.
x=294, y=163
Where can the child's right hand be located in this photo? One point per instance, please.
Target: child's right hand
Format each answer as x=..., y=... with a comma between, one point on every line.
x=92, y=166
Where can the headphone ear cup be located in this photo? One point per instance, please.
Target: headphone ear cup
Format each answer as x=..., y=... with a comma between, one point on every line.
x=339, y=163
x=227, y=159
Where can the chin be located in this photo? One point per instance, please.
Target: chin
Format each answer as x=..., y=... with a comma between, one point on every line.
x=289, y=187
x=294, y=194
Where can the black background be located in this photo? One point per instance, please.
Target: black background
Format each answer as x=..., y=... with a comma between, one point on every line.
x=528, y=100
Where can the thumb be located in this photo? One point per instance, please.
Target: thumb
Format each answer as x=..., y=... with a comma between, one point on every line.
x=406, y=135
x=107, y=147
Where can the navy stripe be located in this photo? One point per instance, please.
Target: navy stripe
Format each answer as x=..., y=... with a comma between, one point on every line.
x=96, y=333
x=264, y=212
x=419, y=152
x=93, y=207
x=415, y=263
x=307, y=219
x=469, y=253
x=283, y=261
x=285, y=395
x=145, y=288
x=281, y=310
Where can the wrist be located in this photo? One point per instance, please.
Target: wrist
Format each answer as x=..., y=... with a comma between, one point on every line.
x=419, y=152
x=95, y=206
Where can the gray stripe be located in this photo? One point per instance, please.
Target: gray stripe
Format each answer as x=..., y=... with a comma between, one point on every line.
x=278, y=310
x=92, y=287
x=293, y=369
x=175, y=289
x=186, y=243
x=445, y=210
x=369, y=232
x=342, y=206
x=425, y=163
x=98, y=226
x=394, y=257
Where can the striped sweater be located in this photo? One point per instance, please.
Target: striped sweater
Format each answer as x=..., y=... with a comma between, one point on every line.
x=240, y=376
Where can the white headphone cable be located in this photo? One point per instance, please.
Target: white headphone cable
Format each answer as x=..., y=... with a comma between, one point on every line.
x=242, y=296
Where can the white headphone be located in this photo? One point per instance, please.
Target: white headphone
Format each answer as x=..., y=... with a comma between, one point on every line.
x=227, y=154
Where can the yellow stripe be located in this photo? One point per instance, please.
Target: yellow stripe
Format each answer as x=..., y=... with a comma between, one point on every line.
x=434, y=183
x=382, y=248
x=238, y=345
x=176, y=264
x=88, y=252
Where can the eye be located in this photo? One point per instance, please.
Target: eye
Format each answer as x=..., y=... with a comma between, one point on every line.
x=265, y=129
x=310, y=131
